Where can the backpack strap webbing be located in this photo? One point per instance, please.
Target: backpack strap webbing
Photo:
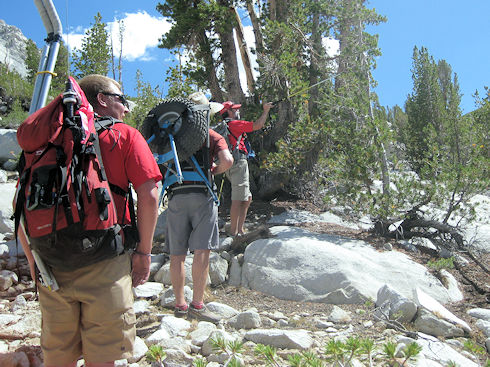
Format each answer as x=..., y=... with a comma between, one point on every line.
x=101, y=125
x=237, y=145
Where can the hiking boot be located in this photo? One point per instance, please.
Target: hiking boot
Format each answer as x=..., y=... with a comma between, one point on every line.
x=203, y=314
x=180, y=312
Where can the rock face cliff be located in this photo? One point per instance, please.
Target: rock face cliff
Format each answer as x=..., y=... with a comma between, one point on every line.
x=12, y=48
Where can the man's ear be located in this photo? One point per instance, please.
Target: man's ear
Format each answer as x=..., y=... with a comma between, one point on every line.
x=101, y=100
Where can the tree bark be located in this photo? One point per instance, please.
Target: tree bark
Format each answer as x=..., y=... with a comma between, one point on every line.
x=314, y=72
x=213, y=82
x=233, y=88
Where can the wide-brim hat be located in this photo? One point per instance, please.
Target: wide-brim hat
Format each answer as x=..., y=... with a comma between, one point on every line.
x=228, y=105
x=200, y=98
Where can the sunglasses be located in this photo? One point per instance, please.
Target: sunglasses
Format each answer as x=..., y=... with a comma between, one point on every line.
x=121, y=97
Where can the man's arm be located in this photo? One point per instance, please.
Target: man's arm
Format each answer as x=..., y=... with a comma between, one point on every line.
x=147, y=218
x=260, y=122
x=225, y=160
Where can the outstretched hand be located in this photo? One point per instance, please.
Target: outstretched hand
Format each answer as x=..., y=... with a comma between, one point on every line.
x=267, y=106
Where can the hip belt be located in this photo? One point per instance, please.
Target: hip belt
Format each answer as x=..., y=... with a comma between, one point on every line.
x=187, y=189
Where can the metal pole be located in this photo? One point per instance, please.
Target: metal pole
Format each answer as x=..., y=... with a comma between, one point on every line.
x=52, y=23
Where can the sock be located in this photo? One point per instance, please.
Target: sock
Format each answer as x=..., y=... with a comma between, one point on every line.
x=197, y=305
x=182, y=307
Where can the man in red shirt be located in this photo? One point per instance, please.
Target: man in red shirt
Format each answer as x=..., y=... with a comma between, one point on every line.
x=241, y=197
x=91, y=315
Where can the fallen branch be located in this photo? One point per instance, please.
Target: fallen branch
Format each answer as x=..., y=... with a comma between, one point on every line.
x=241, y=242
x=477, y=261
x=4, y=336
x=476, y=286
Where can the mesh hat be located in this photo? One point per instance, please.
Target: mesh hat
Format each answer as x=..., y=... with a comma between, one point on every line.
x=228, y=105
x=200, y=98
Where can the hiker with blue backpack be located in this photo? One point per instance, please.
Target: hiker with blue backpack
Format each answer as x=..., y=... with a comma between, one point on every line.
x=75, y=221
x=238, y=174
x=192, y=220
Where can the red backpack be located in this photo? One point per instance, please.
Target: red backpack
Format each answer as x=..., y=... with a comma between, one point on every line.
x=63, y=197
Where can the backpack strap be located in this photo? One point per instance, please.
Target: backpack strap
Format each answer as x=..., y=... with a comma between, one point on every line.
x=102, y=124
x=237, y=145
x=99, y=155
x=128, y=196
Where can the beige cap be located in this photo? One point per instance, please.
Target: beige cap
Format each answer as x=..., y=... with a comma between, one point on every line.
x=200, y=98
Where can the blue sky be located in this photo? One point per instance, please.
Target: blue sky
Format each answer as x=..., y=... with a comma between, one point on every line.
x=456, y=32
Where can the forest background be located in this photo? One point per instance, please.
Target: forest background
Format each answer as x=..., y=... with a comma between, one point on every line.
x=328, y=139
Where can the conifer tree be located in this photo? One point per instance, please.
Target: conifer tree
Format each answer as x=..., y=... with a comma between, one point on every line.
x=94, y=55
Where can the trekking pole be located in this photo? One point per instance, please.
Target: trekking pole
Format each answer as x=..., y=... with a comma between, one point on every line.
x=221, y=188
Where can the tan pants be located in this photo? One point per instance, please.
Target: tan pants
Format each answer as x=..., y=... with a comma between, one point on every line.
x=91, y=315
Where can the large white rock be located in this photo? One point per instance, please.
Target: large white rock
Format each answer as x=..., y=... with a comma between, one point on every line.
x=7, y=192
x=435, y=351
x=304, y=266
x=394, y=305
x=429, y=323
x=480, y=313
x=430, y=304
x=9, y=148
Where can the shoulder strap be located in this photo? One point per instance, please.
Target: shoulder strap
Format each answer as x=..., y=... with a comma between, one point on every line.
x=103, y=123
x=238, y=139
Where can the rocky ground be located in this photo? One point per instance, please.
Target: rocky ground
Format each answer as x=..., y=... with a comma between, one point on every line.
x=472, y=278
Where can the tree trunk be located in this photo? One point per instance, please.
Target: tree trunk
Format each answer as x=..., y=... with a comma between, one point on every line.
x=316, y=49
x=272, y=10
x=213, y=82
x=230, y=64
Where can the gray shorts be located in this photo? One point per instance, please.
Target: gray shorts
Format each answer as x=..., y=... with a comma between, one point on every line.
x=192, y=223
x=238, y=176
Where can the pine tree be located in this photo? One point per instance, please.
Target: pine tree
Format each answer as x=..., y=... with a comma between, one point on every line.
x=61, y=69
x=33, y=55
x=95, y=54
x=146, y=98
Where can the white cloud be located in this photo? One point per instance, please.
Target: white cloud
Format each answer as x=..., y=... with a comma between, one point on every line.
x=73, y=40
x=331, y=45
x=141, y=33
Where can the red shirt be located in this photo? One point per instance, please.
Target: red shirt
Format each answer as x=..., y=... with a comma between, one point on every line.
x=216, y=144
x=237, y=128
x=127, y=158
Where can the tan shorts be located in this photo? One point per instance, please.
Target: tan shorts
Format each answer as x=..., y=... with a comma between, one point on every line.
x=238, y=176
x=91, y=315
